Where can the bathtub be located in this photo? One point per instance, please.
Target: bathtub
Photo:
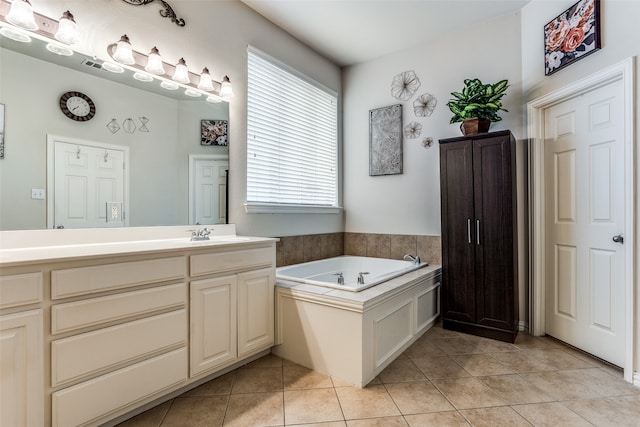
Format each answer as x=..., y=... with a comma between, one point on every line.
x=325, y=272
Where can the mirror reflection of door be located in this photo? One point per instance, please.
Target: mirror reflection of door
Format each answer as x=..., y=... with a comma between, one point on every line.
x=87, y=186
x=208, y=189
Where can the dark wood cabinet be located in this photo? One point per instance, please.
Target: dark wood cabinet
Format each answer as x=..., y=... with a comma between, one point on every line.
x=479, y=235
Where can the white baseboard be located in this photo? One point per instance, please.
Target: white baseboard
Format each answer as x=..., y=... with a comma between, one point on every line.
x=636, y=379
x=523, y=326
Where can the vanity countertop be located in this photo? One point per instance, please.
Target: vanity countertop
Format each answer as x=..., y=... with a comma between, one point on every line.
x=92, y=244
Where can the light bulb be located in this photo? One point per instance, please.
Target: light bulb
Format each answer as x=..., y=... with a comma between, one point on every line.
x=181, y=75
x=226, y=91
x=205, y=80
x=124, y=53
x=21, y=15
x=154, y=64
x=67, y=29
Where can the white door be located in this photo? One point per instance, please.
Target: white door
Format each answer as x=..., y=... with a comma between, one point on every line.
x=209, y=190
x=89, y=186
x=585, y=209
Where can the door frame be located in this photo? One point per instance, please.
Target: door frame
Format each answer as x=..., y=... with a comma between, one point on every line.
x=51, y=141
x=624, y=71
x=193, y=158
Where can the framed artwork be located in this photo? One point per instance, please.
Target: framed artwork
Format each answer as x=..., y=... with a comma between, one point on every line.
x=572, y=35
x=385, y=141
x=214, y=132
x=1, y=131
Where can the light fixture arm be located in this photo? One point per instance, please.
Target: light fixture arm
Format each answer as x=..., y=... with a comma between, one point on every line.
x=167, y=12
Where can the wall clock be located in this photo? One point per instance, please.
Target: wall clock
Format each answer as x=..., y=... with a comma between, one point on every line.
x=77, y=106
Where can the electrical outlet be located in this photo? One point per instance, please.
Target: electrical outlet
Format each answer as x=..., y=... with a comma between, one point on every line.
x=37, y=193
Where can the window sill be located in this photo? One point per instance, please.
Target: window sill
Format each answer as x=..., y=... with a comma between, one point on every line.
x=269, y=208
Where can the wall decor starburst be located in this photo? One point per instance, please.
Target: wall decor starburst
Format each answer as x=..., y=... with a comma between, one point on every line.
x=424, y=105
x=404, y=85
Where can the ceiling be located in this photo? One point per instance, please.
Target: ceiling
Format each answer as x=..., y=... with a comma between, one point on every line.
x=353, y=31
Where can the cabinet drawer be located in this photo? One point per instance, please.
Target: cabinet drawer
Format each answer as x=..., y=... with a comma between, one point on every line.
x=80, y=314
x=88, y=280
x=20, y=289
x=92, y=352
x=91, y=400
x=223, y=262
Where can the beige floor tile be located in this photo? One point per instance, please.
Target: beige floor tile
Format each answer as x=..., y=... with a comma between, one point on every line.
x=268, y=361
x=457, y=346
x=298, y=377
x=255, y=409
x=487, y=345
x=401, y=370
x=559, y=359
x=515, y=390
x=418, y=397
x=520, y=361
x=438, y=332
x=440, y=367
x=329, y=424
x=423, y=347
x=502, y=416
x=481, y=364
x=379, y=422
x=631, y=403
x=370, y=402
x=201, y=411
x=529, y=342
x=437, y=419
x=561, y=386
x=220, y=385
x=551, y=414
x=468, y=393
x=604, y=412
x=604, y=383
x=311, y=406
x=151, y=418
x=256, y=380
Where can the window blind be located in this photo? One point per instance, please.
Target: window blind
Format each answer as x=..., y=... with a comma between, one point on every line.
x=291, y=137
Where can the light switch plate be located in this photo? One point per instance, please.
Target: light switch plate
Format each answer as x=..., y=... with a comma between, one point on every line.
x=37, y=193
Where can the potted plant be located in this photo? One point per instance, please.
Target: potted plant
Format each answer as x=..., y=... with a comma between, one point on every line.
x=477, y=105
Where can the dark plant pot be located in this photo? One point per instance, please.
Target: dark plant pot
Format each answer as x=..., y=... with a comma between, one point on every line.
x=474, y=126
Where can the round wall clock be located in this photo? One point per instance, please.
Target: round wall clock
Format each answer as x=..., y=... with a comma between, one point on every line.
x=77, y=106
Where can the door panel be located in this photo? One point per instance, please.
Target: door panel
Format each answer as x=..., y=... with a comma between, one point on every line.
x=456, y=180
x=584, y=187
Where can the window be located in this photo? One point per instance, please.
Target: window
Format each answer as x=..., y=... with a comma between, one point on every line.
x=292, y=142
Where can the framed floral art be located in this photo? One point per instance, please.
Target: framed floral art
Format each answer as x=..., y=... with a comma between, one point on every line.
x=214, y=132
x=572, y=35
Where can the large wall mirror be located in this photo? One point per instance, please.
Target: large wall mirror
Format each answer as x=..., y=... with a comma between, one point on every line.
x=160, y=130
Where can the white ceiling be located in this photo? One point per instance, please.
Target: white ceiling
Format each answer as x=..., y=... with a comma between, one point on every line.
x=353, y=31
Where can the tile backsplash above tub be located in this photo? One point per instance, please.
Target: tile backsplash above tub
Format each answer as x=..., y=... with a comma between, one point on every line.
x=311, y=247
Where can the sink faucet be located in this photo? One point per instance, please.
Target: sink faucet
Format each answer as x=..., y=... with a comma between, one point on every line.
x=415, y=259
x=200, y=234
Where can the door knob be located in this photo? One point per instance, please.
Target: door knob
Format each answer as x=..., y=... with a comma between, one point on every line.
x=619, y=238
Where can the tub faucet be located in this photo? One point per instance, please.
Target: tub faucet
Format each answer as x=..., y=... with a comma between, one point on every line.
x=201, y=234
x=340, y=278
x=361, y=277
x=415, y=259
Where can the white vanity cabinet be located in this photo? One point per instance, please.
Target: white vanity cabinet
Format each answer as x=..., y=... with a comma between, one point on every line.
x=91, y=334
x=231, y=316
x=21, y=351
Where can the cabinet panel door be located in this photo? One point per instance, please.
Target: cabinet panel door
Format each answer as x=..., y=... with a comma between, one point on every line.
x=255, y=311
x=456, y=183
x=212, y=323
x=21, y=369
x=494, y=220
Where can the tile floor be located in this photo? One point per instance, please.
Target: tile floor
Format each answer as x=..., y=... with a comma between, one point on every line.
x=445, y=379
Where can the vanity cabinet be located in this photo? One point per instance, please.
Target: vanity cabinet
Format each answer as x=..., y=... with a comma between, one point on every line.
x=479, y=241
x=232, y=316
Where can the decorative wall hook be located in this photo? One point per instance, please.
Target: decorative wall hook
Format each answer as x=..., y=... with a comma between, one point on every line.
x=167, y=12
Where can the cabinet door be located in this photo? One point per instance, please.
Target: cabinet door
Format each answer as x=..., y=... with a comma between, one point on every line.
x=456, y=184
x=495, y=214
x=255, y=311
x=212, y=323
x=21, y=369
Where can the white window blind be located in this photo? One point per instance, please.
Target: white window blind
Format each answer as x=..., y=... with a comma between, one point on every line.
x=292, y=141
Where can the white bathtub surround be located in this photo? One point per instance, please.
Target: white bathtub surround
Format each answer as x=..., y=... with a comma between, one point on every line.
x=355, y=335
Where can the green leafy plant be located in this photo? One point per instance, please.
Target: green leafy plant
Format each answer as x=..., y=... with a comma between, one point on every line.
x=478, y=100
